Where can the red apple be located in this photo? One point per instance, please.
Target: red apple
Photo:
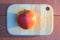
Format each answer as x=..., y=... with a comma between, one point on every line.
x=26, y=19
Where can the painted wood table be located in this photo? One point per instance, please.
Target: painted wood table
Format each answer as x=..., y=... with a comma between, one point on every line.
x=3, y=20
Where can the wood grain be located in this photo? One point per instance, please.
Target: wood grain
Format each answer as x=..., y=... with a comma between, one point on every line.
x=3, y=32
x=54, y=36
x=3, y=9
x=54, y=3
x=20, y=1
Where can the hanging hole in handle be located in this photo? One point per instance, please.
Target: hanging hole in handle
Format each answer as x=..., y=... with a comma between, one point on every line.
x=47, y=8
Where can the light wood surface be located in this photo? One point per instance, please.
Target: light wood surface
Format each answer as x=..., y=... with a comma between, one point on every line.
x=3, y=32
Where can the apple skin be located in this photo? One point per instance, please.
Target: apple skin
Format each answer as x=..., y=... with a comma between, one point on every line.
x=26, y=19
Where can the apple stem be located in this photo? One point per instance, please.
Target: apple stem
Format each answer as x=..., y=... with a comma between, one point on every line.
x=24, y=11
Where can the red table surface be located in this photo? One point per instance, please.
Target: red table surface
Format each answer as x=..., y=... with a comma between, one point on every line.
x=3, y=8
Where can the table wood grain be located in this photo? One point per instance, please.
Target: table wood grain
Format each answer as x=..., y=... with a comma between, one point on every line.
x=4, y=35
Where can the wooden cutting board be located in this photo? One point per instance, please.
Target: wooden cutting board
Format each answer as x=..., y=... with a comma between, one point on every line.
x=44, y=25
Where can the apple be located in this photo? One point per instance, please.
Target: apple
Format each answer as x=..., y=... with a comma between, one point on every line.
x=26, y=19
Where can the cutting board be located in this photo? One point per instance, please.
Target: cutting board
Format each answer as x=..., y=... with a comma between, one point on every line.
x=44, y=13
